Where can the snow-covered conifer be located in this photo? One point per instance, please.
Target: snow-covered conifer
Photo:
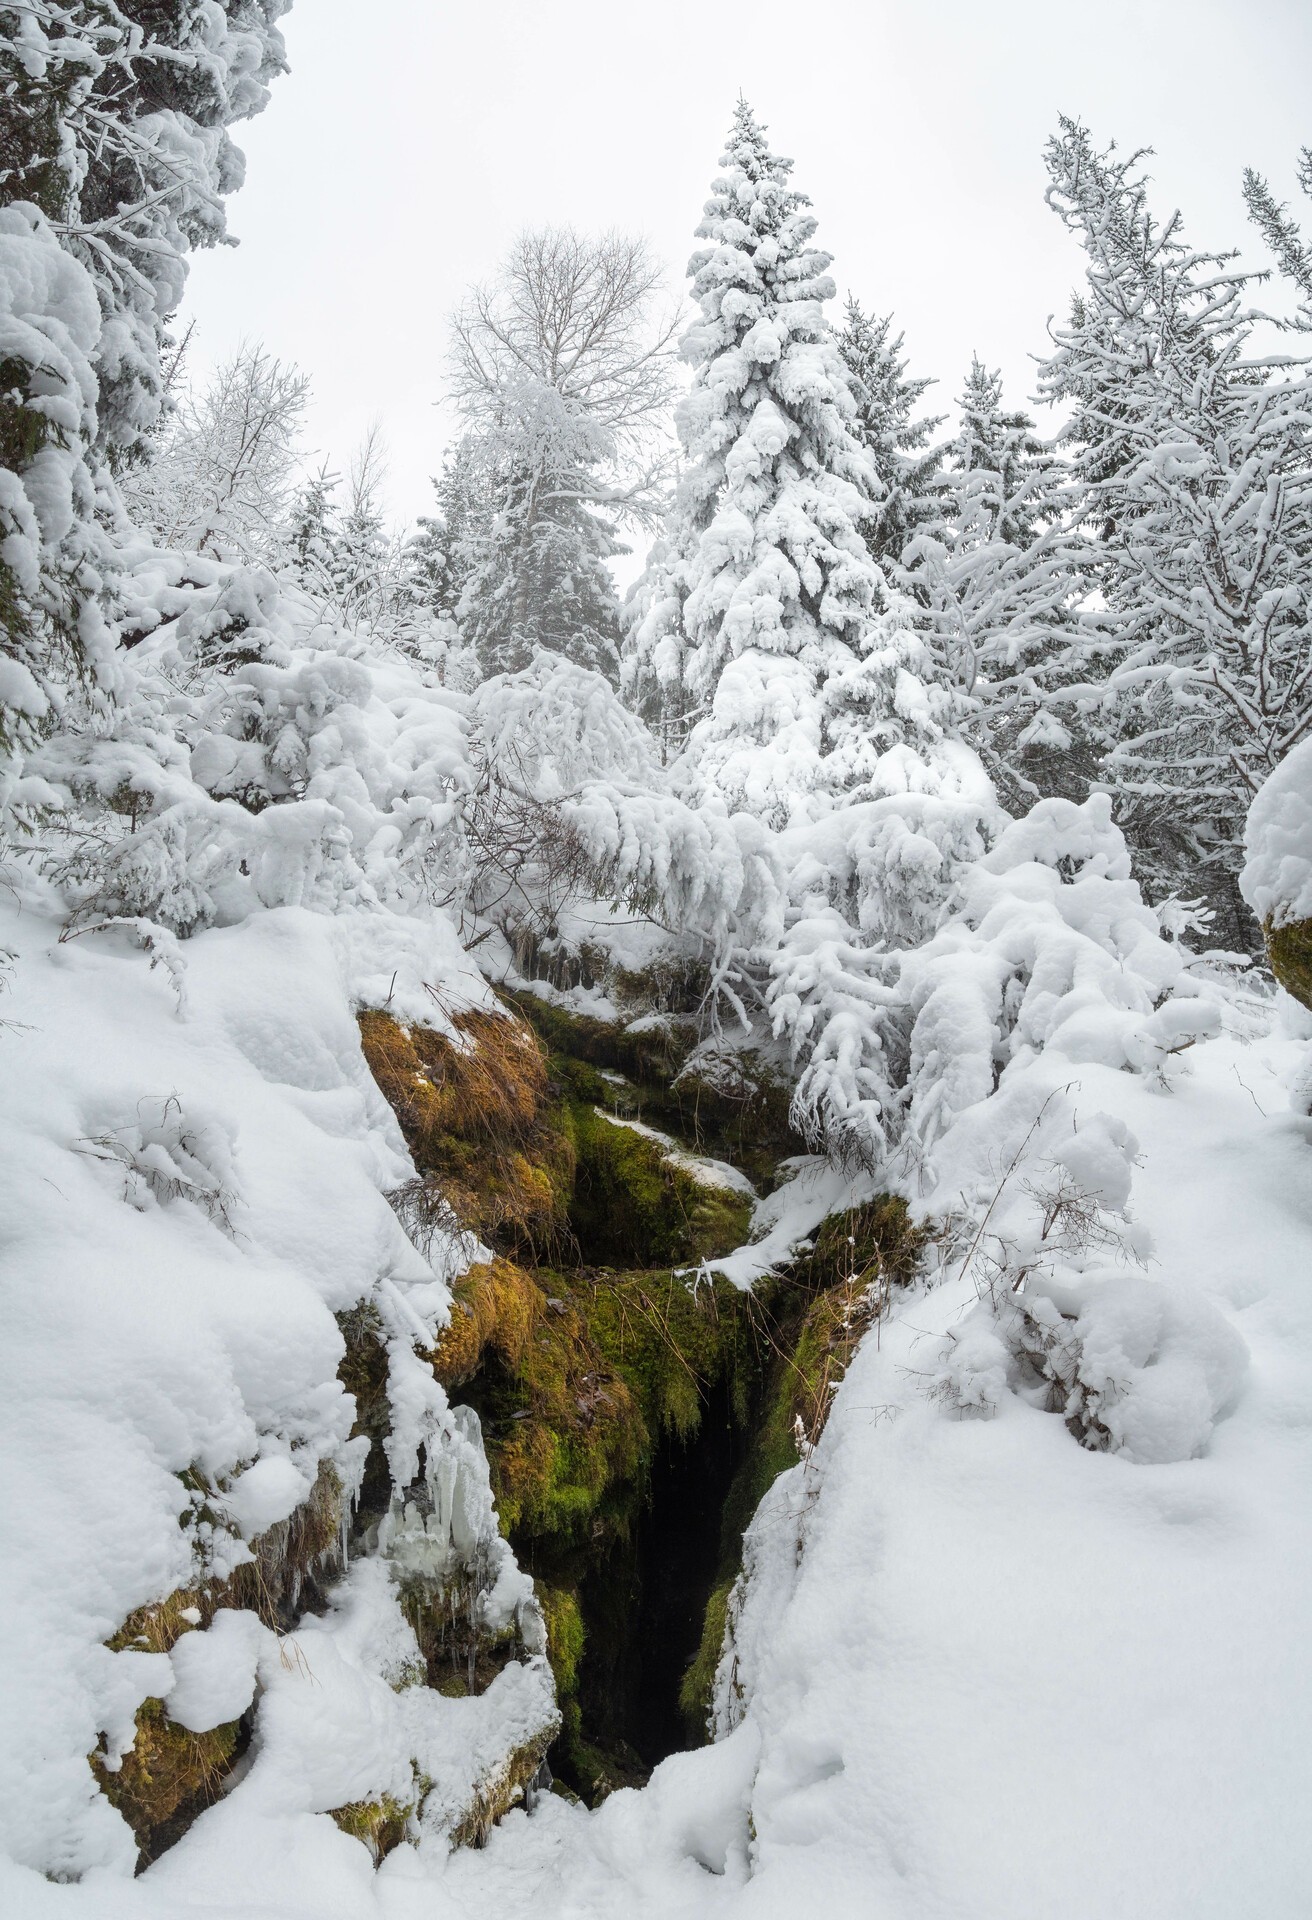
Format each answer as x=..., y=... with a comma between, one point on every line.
x=899, y=445
x=114, y=160
x=1002, y=577
x=766, y=590
x=1280, y=230
x=1191, y=450
x=312, y=530
x=116, y=127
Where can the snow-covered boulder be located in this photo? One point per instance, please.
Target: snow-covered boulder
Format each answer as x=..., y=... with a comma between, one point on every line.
x=1277, y=876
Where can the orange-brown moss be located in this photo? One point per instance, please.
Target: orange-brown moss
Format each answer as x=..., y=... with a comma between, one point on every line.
x=497, y=1306
x=477, y=1117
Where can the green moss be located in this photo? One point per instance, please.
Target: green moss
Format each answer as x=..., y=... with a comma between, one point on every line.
x=835, y=1295
x=380, y=1824
x=1289, y=950
x=565, y=1636
x=170, y=1775
x=734, y=1106
x=562, y=1428
x=699, y=1680
x=634, y=1207
x=878, y=1241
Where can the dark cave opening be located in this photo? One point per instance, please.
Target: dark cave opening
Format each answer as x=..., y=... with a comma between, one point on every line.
x=644, y=1600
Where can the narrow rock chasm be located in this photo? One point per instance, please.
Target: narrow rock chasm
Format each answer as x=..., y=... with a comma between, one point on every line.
x=634, y=1408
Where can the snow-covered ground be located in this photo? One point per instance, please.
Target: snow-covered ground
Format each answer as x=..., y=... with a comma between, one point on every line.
x=979, y=1668
x=1008, y=1676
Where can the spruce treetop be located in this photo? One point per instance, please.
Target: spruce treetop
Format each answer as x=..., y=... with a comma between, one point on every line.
x=767, y=590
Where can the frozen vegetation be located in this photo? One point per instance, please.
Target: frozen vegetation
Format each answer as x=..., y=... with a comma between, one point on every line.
x=748, y=1145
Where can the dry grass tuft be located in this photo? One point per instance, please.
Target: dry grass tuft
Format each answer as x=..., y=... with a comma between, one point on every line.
x=476, y=1116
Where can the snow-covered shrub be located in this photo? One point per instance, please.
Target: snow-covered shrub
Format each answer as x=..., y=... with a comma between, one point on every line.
x=1042, y=941
x=1049, y=945
x=1132, y=1365
x=571, y=800
x=164, y=1157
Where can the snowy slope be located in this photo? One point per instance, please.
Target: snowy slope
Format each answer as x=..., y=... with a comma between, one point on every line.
x=1003, y=1671
x=194, y=1166
x=1007, y=1672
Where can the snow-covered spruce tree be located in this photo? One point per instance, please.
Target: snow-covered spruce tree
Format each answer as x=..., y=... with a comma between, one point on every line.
x=560, y=370
x=1003, y=577
x=436, y=549
x=312, y=530
x=113, y=121
x=1192, y=451
x=763, y=615
x=819, y=702
x=1280, y=230
x=1017, y=470
x=907, y=464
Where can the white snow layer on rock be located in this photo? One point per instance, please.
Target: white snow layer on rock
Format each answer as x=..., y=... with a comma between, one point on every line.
x=1277, y=876
x=187, y=1199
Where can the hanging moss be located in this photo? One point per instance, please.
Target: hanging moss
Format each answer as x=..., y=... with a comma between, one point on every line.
x=562, y=1427
x=498, y=1793
x=1289, y=950
x=497, y=1306
x=566, y=1637
x=380, y=1824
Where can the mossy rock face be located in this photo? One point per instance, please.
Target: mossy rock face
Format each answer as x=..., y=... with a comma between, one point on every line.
x=699, y=1681
x=169, y=1777
x=460, y=1656
x=839, y=1290
x=1289, y=950
x=730, y=1104
x=633, y=1206
x=565, y=1635
x=562, y=1427
x=583, y=1346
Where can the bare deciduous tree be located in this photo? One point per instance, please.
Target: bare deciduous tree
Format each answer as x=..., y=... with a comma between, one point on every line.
x=220, y=478
x=575, y=312
x=561, y=367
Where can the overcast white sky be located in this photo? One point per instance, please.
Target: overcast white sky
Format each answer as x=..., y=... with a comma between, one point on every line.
x=412, y=138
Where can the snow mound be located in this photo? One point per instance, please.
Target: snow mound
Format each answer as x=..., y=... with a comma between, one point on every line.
x=1134, y=1366
x=1277, y=877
